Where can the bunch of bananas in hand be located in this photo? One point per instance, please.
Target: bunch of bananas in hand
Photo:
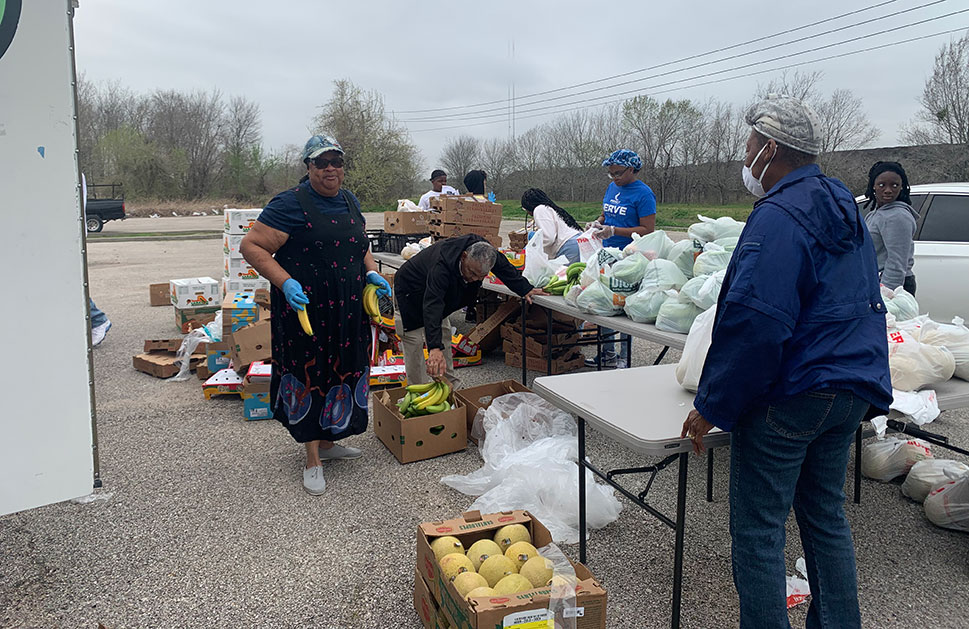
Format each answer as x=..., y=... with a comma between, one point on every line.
x=371, y=305
x=425, y=399
x=560, y=286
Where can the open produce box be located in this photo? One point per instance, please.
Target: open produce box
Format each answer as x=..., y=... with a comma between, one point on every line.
x=475, y=398
x=422, y=437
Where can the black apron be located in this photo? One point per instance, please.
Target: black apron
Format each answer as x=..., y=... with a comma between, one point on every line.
x=320, y=383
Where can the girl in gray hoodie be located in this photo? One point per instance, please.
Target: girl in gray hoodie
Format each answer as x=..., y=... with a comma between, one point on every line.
x=891, y=221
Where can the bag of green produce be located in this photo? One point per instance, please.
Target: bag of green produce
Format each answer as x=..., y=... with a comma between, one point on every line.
x=657, y=242
x=709, y=262
x=677, y=315
x=643, y=305
x=683, y=254
x=664, y=275
x=631, y=268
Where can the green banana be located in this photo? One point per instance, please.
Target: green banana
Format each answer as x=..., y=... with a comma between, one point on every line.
x=420, y=388
x=436, y=397
x=438, y=408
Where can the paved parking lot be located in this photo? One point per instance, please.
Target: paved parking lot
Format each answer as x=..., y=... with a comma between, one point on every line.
x=207, y=524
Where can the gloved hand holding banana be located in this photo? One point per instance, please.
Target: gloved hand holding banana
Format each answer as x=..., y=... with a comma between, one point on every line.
x=425, y=399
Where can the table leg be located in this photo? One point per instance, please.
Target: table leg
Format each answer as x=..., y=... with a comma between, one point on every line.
x=662, y=355
x=709, y=474
x=858, y=466
x=581, y=462
x=629, y=350
x=598, y=347
x=678, y=547
x=548, y=347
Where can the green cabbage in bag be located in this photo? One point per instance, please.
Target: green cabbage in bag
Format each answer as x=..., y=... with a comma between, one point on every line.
x=677, y=315
x=682, y=254
x=631, y=268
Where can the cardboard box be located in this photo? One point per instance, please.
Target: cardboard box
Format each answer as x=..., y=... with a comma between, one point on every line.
x=449, y=230
x=512, y=331
x=417, y=438
x=425, y=605
x=238, y=311
x=159, y=294
x=256, y=402
x=230, y=245
x=461, y=345
x=518, y=239
x=406, y=222
x=187, y=319
x=465, y=203
x=251, y=343
x=467, y=216
x=239, y=222
x=477, y=398
x=224, y=382
x=501, y=611
x=238, y=269
x=163, y=345
x=217, y=356
x=563, y=363
x=162, y=364
x=245, y=286
x=203, y=372
x=194, y=292
x=487, y=334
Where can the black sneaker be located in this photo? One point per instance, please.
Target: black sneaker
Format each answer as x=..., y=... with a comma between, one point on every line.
x=609, y=361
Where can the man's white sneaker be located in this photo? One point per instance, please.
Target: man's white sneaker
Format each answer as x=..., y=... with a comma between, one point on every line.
x=339, y=452
x=313, y=481
x=99, y=332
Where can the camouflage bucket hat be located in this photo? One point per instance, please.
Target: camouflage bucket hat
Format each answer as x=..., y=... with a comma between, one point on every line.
x=787, y=121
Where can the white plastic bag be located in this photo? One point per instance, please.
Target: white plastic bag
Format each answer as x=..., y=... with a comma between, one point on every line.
x=561, y=604
x=921, y=406
x=599, y=300
x=589, y=245
x=599, y=264
x=798, y=588
x=572, y=295
x=529, y=453
x=891, y=458
x=539, y=270
x=657, y=242
x=900, y=303
x=709, y=262
x=708, y=294
x=677, y=314
x=406, y=205
x=663, y=275
x=631, y=268
x=709, y=230
x=691, y=290
x=729, y=243
x=948, y=504
x=683, y=254
x=955, y=338
x=643, y=305
x=914, y=365
x=690, y=367
x=210, y=332
x=929, y=474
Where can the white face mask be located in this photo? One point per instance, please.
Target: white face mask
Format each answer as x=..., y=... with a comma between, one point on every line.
x=753, y=184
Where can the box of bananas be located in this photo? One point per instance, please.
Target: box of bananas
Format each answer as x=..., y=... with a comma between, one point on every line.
x=425, y=399
x=562, y=285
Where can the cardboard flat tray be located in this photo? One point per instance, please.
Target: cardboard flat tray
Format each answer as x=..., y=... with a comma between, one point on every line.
x=162, y=364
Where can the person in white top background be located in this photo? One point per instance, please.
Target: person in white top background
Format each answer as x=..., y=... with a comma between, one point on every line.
x=560, y=231
x=438, y=187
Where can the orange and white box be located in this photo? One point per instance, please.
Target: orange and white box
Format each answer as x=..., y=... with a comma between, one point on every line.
x=239, y=222
x=195, y=292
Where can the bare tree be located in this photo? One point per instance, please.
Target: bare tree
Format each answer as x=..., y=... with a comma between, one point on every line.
x=944, y=118
x=460, y=155
x=497, y=159
x=800, y=85
x=243, y=157
x=727, y=134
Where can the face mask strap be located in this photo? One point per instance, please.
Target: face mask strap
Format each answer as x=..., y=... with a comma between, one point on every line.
x=760, y=179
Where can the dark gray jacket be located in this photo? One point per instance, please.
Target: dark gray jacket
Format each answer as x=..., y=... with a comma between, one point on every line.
x=892, y=228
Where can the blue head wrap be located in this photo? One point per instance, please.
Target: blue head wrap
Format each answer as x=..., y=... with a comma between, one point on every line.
x=625, y=158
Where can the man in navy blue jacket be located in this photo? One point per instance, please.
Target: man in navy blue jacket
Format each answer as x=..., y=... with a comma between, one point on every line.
x=798, y=359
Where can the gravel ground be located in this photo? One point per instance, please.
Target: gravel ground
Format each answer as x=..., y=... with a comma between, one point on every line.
x=205, y=522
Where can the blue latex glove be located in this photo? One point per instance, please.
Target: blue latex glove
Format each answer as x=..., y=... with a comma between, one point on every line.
x=295, y=295
x=492, y=197
x=383, y=287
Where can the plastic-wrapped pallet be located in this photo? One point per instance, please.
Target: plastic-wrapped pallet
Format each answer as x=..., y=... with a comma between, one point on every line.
x=928, y=474
x=888, y=459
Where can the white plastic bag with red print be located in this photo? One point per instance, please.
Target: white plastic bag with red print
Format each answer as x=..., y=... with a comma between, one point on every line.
x=888, y=459
x=948, y=504
x=914, y=365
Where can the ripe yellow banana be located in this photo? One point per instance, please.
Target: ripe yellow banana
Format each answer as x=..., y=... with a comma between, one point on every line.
x=435, y=399
x=447, y=390
x=304, y=320
x=420, y=388
x=371, y=305
x=428, y=395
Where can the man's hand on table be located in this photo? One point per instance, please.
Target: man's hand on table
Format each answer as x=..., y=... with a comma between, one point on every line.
x=535, y=292
x=694, y=428
x=435, y=363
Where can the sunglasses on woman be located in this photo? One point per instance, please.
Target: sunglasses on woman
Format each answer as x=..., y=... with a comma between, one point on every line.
x=323, y=162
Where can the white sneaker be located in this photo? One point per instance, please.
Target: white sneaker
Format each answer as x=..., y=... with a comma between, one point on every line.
x=98, y=333
x=339, y=452
x=313, y=481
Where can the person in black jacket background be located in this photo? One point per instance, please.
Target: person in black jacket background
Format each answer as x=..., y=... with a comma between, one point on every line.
x=436, y=282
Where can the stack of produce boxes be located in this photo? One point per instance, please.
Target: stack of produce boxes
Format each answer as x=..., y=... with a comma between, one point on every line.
x=456, y=216
x=195, y=299
x=238, y=276
x=565, y=330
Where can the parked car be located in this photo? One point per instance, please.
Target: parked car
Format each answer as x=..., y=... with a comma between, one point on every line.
x=941, y=249
x=103, y=205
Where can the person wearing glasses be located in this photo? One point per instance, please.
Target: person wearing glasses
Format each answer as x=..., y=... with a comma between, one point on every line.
x=437, y=282
x=311, y=243
x=438, y=187
x=628, y=207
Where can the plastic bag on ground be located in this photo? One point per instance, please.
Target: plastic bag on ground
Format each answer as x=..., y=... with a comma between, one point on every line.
x=599, y=300
x=929, y=474
x=677, y=315
x=683, y=255
x=663, y=275
x=529, y=453
x=948, y=504
x=709, y=262
x=643, y=305
x=798, y=588
x=690, y=367
x=891, y=458
x=539, y=270
x=631, y=268
x=900, y=303
x=914, y=365
x=656, y=241
x=709, y=229
x=210, y=333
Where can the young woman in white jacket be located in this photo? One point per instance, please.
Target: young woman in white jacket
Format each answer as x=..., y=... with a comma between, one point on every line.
x=560, y=231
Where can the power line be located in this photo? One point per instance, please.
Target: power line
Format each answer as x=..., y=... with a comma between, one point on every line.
x=714, y=81
x=477, y=115
x=661, y=65
x=469, y=117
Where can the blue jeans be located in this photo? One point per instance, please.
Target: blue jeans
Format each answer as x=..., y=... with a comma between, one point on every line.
x=570, y=249
x=794, y=452
x=609, y=347
x=97, y=316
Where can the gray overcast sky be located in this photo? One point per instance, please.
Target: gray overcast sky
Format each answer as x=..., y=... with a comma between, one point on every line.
x=285, y=55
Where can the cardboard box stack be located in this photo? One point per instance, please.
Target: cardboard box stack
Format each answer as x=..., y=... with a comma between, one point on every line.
x=195, y=300
x=255, y=391
x=237, y=275
x=158, y=358
x=565, y=329
x=246, y=329
x=407, y=223
x=438, y=603
x=456, y=216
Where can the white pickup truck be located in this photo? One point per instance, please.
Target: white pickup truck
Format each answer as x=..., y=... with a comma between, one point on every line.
x=941, y=249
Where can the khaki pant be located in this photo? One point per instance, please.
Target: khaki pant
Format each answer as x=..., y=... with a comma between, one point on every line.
x=414, y=363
